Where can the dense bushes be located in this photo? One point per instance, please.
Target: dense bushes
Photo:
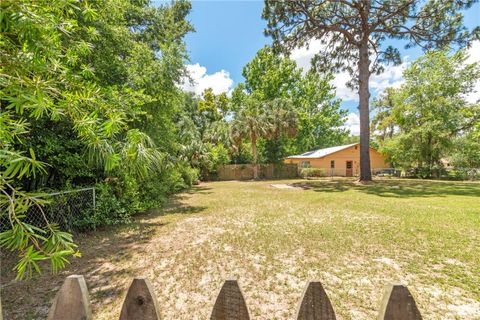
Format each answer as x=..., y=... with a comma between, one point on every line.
x=312, y=172
x=465, y=174
x=89, y=92
x=112, y=207
x=119, y=198
x=435, y=171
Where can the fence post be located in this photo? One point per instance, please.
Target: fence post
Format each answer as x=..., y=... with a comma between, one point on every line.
x=315, y=304
x=398, y=304
x=230, y=304
x=93, y=198
x=140, y=302
x=72, y=301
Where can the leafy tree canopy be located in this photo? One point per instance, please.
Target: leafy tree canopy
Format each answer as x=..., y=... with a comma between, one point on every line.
x=313, y=109
x=418, y=123
x=99, y=77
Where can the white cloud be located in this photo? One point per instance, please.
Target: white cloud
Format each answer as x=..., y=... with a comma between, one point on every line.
x=353, y=124
x=303, y=56
x=474, y=52
x=219, y=81
x=391, y=77
x=344, y=92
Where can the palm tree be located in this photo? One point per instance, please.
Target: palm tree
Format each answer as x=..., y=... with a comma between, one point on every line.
x=263, y=120
x=250, y=123
x=284, y=118
x=217, y=132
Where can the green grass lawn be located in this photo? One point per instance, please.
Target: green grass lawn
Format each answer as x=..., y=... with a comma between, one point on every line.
x=355, y=239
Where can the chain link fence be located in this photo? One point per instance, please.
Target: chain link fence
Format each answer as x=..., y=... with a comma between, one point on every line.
x=386, y=172
x=65, y=208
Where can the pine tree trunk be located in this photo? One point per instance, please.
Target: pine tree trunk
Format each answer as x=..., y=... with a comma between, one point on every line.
x=254, y=154
x=364, y=95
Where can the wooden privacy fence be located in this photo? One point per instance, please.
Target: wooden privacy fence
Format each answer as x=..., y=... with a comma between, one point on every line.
x=245, y=171
x=72, y=303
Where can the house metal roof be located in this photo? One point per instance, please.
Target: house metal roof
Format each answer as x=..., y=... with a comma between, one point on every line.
x=320, y=153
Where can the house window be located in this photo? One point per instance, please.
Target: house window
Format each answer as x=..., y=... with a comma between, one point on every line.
x=305, y=164
x=332, y=164
x=349, y=164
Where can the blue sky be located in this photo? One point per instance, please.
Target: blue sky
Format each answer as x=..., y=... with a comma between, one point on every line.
x=229, y=33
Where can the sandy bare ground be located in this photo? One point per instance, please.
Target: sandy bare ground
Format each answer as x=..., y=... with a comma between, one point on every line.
x=273, y=241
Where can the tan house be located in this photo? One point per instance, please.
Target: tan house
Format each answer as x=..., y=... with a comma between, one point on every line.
x=338, y=161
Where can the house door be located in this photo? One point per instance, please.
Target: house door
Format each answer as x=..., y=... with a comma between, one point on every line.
x=349, y=169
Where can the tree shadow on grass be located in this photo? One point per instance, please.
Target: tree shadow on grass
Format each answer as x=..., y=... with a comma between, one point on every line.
x=110, y=260
x=101, y=251
x=199, y=189
x=396, y=188
x=176, y=204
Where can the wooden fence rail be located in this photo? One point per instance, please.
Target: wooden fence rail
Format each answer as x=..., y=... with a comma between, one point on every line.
x=245, y=172
x=72, y=303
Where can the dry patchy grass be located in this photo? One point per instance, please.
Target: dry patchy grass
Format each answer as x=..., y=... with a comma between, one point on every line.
x=353, y=238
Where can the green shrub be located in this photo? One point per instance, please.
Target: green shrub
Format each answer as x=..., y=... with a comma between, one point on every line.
x=190, y=176
x=155, y=189
x=463, y=174
x=153, y=192
x=312, y=172
x=215, y=155
x=424, y=172
x=120, y=198
x=116, y=202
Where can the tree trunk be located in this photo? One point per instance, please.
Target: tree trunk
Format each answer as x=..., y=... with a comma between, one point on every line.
x=253, y=139
x=364, y=95
x=430, y=155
